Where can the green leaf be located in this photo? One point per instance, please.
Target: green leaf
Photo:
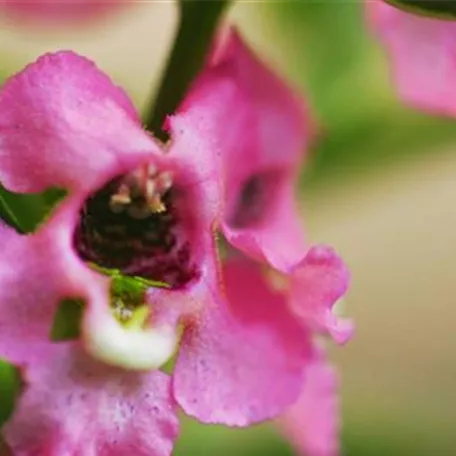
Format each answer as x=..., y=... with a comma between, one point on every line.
x=67, y=320
x=7, y=214
x=10, y=385
x=442, y=9
x=25, y=212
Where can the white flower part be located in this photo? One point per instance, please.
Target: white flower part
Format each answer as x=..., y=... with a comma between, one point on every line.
x=130, y=348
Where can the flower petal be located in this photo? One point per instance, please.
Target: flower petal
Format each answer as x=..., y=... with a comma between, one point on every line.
x=73, y=405
x=63, y=123
x=283, y=123
x=263, y=159
x=30, y=289
x=317, y=283
x=277, y=238
x=198, y=131
x=422, y=53
x=241, y=363
x=312, y=423
x=37, y=272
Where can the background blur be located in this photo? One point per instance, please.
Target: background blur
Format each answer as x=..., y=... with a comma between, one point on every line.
x=380, y=186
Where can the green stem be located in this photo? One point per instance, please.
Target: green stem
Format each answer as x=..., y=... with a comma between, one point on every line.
x=197, y=25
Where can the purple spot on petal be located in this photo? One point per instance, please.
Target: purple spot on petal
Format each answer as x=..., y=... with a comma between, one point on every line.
x=257, y=193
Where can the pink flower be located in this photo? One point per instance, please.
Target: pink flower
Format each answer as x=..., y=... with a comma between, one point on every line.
x=261, y=219
x=311, y=423
x=261, y=215
x=148, y=210
x=45, y=11
x=131, y=207
x=422, y=52
x=315, y=285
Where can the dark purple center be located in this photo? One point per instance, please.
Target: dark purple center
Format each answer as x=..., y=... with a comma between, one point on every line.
x=252, y=203
x=153, y=245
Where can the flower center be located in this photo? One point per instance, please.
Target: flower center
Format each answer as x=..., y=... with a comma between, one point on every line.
x=134, y=224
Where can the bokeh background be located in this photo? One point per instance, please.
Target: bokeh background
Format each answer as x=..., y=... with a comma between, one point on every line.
x=380, y=186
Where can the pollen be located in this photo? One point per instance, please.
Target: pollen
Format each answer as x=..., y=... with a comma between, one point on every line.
x=141, y=193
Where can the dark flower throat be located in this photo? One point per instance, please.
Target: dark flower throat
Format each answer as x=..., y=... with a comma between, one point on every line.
x=136, y=229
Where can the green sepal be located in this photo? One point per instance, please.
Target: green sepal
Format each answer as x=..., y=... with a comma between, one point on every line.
x=127, y=285
x=440, y=9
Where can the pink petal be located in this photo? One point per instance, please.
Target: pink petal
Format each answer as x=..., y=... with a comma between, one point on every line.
x=317, y=283
x=198, y=131
x=422, y=52
x=53, y=11
x=275, y=106
x=27, y=263
x=262, y=157
x=312, y=423
x=73, y=405
x=63, y=123
x=278, y=237
x=27, y=308
x=241, y=362
x=37, y=272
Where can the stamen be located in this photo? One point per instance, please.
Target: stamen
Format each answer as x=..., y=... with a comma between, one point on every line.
x=121, y=199
x=157, y=186
x=151, y=170
x=155, y=204
x=151, y=186
x=164, y=181
x=139, y=211
x=141, y=193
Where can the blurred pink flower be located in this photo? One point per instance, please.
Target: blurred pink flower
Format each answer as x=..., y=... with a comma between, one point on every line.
x=132, y=207
x=422, y=54
x=55, y=11
x=264, y=145
x=262, y=220
x=317, y=282
x=311, y=423
x=315, y=286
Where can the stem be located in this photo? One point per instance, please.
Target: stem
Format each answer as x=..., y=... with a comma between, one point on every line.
x=197, y=24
